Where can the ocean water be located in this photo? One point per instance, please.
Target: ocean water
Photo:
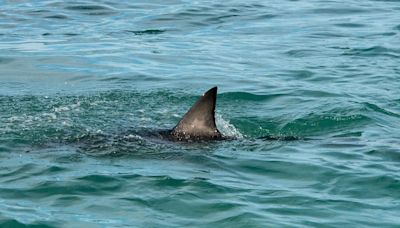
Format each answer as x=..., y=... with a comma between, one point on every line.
x=85, y=84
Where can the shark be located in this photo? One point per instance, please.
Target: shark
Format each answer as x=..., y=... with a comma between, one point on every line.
x=196, y=125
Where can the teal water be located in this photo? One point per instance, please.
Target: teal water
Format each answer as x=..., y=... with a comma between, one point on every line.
x=83, y=85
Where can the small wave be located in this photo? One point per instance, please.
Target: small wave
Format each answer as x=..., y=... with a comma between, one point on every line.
x=16, y=223
x=57, y=16
x=313, y=124
x=376, y=108
x=374, y=51
x=248, y=96
x=350, y=25
x=339, y=11
x=146, y=32
x=4, y=60
x=93, y=10
x=87, y=7
x=301, y=53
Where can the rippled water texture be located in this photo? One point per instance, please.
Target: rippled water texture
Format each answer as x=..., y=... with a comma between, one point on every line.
x=86, y=85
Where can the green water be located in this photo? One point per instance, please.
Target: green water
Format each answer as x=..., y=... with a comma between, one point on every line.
x=86, y=86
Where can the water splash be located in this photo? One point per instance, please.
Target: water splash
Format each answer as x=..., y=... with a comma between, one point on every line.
x=227, y=128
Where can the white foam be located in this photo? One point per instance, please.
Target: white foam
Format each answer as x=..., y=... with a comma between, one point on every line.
x=15, y=119
x=130, y=136
x=67, y=124
x=226, y=127
x=68, y=107
x=61, y=109
x=50, y=116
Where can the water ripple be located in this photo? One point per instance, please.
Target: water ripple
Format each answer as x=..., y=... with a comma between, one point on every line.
x=374, y=51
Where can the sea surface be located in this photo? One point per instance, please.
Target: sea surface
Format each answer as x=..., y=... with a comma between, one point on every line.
x=86, y=85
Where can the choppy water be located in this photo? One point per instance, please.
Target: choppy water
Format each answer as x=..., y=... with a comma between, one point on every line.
x=81, y=81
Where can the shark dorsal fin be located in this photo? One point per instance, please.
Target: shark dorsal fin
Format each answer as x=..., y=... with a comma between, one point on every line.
x=199, y=121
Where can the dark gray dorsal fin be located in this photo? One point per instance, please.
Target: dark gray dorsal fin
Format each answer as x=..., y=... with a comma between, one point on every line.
x=199, y=121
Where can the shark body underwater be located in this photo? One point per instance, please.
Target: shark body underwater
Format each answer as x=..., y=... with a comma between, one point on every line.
x=197, y=125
